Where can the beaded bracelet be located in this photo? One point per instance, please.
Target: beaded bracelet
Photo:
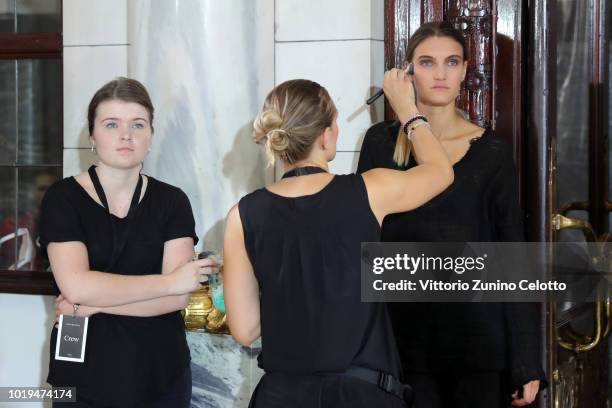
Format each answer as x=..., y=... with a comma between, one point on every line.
x=412, y=119
x=416, y=125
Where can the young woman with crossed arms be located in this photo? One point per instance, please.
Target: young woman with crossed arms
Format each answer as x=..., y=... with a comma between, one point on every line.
x=120, y=246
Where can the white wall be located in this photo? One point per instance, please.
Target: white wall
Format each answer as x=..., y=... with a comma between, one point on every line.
x=24, y=344
x=339, y=44
x=95, y=51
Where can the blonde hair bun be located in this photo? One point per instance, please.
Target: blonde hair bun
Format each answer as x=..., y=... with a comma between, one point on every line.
x=294, y=114
x=278, y=139
x=266, y=122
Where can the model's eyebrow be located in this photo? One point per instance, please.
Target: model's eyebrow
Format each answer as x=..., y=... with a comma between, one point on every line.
x=105, y=119
x=449, y=57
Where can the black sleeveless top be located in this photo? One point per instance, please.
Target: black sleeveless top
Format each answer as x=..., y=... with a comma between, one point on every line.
x=305, y=252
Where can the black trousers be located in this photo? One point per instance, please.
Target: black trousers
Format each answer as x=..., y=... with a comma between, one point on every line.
x=177, y=396
x=276, y=390
x=460, y=390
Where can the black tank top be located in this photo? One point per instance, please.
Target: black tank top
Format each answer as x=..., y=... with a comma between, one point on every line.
x=305, y=252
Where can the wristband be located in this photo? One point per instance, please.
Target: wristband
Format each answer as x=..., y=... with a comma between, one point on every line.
x=411, y=120
x=414, y=126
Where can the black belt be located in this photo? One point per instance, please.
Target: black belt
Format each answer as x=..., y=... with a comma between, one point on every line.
x=384, y=381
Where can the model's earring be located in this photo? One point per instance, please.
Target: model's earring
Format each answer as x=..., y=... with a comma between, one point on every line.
x=93, y=148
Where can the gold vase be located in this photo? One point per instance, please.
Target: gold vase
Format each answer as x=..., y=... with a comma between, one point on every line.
x=201, y=314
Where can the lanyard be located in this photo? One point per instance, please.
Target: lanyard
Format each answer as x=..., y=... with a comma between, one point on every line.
x=303, y=171
x=118, y=245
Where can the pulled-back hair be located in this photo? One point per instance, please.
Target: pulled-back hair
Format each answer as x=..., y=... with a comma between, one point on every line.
x=294, y=115
x=123, y=89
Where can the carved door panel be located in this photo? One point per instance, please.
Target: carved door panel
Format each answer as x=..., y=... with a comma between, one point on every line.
x=493, y=33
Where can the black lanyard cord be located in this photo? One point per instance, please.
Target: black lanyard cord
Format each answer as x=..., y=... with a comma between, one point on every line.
x=118, y=245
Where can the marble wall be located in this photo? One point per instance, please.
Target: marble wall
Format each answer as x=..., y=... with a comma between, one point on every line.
x=208, y=66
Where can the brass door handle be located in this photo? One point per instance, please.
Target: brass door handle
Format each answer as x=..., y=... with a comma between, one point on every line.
x=602, y=308
x=560, y=222
x=599, y=323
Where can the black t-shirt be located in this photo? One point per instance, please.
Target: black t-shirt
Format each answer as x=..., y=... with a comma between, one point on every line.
x=480, y=206
x=127, y=359
x=306, y=254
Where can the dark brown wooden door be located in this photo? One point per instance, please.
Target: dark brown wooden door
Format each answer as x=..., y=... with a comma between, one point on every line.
x=539, y=76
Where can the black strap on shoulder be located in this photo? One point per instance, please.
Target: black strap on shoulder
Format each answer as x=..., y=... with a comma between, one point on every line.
x=304, y=171
x=118, y=244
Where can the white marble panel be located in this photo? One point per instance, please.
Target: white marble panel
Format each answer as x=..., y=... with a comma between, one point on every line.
x=94, y=22
x=208, y=67
x=85, y=70
x=298, y=20
x=344, y=163
x=350, y=70
x=207, y=83
x=77, y=161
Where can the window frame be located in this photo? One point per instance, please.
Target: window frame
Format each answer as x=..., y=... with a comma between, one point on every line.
x=15, y=46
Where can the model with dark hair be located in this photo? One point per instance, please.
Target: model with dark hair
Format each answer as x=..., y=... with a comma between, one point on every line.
x=469, y=354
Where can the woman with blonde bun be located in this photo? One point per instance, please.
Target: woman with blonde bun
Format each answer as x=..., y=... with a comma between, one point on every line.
x=292, y=254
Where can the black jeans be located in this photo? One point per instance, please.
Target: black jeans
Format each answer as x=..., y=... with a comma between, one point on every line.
x=177, y=396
